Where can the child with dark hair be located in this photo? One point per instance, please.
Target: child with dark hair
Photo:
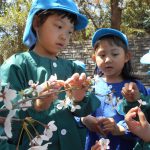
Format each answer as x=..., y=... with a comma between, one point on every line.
x=49, y=26
x=112, y=57
x=137, y=107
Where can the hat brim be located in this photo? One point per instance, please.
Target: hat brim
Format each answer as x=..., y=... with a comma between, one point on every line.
x=108, y=31
x=82, y=20
x=145, y=59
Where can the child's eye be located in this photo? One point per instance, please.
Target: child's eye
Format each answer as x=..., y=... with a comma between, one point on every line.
x=102, y=56
x=70, y=32
x=58, y=26
x=115, y=54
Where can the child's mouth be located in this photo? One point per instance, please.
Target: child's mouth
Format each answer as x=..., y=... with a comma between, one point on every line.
x=60, y=45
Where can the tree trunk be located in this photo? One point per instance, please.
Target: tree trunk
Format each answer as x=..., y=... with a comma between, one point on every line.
x=116, y=13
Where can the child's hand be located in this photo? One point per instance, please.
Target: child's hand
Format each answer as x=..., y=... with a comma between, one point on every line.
x=109, y=125
x=97, y=146
x=92, y=124
x=130, y=92
x=78, y=85
x=140, y=128
x=51, y=92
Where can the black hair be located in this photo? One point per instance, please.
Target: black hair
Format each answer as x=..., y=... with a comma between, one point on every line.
x=127, y=71
x=44, y=14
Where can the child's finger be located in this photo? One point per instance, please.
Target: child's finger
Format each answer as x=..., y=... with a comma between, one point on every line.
x=75, y=76
x=126, y=86
x=82, y=76
x=130, y=116
x=133, y=125
x=132, y=86
x=125, y=91
x=96, y=146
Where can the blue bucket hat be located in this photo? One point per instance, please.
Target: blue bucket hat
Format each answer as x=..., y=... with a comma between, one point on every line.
x=108, y=31
x=29, y=38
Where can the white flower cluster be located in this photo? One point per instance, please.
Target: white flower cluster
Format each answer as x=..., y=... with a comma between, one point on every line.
x=7, y=95
x=104, y=143
x=68, y=102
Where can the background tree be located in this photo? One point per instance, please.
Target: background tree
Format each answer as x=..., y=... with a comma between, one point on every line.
x=136, y=18
x=125, y=15
x=130, y=16
x=12, y=22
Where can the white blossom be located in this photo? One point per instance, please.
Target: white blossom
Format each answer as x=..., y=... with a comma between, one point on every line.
x=39, y=89
x=8, y=96
x=43, y=147
x=104, y=143
x=64, y=103
x=53, y=78
x=7, y=123
x=74, y=107
x=51, y=127
x=36, y=87
x=30, y=82
x=38, y=140
x=142, y=102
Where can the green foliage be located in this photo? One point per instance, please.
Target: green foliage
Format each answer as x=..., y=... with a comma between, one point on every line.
x=136, y=18
x=97, y=14
x=12, y=24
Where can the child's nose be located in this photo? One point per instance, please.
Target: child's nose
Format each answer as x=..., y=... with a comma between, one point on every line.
x=108, y=59
x=63, y=36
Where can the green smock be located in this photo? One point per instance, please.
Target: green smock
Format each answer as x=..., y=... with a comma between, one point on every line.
x=22, y=67
x=141, y=145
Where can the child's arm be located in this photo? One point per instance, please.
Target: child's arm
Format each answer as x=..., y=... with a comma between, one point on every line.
x=92, y=123
x=109, y=125
x=140, y=128
x=102, y=125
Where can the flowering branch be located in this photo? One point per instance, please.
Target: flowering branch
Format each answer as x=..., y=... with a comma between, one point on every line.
x=36, y=91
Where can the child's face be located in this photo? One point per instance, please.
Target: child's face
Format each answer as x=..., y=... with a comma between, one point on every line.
x=53, y=35
x=110, y=59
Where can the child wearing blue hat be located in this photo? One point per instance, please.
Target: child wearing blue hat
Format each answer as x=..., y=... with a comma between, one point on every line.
x=112, y=57
x=133, y=98
x=49, y=26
